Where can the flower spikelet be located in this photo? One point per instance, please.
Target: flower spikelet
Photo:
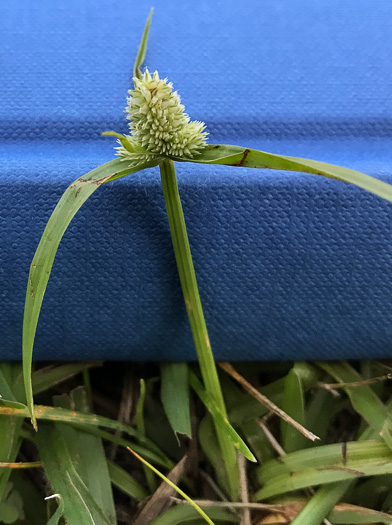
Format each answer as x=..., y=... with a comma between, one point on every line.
x=158, y=122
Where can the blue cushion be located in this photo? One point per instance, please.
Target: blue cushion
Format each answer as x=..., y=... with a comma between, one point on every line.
x=290, y=266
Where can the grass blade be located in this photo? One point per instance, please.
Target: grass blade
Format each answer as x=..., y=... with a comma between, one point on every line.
x=175, y=396
x=219, y=419
x=338, y=454
x=87, y=454
x=209, y=444
x=87, y=422
x=71, y=201
x=126, y=483
x=158, y=458
x=186, y=514
x=47, y=377
x=250, y=158
x=321, y=465
x=79, y=505
x=328, y=496
x=142, y=48
x=142, y=429
x=294, y=405
x=6, y=391
x=386, y=433
x=322, y=503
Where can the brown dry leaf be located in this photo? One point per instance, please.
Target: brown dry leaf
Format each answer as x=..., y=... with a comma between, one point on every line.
x=273, y=519
x=290, y=510
x=364, y=511
x=161, y=499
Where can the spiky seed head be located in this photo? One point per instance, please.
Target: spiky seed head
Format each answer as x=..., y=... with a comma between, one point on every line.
x=158, y=122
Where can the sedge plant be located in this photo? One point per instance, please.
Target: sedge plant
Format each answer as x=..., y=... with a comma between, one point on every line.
x=162, y=134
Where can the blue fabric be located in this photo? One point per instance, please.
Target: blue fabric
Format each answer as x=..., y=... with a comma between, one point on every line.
x=290, y=266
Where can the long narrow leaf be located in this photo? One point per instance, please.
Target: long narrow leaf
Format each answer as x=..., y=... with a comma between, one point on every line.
x=182, y=514
x=175, y=396
x=71, y=201
x=90, y=425
x=337, y=455
x=151, y=483
x=142, y=48
x=126, y=483
x=251, y=158
x=45, y=378
x=88, y=422
x=219, y=419
x=327, y=496
x=322, y=465
x=293, y=404
x=87, y=454
x=195, y=313
x=79, y=505
x=209, y=445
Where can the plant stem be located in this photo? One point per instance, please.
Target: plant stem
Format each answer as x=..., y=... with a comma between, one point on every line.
x=194, y=308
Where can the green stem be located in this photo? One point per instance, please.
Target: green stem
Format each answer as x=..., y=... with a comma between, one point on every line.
x=190, y=290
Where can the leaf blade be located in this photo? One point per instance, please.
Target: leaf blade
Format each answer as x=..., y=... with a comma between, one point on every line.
x=251, y=158
x=220, y=420
x=73, y=198
x=79, y=505
x=89, y=423
x=294, y=404
x=126, y=483
x=323, y=465
x=87, y=454
x=175, y=396
x=142, y=48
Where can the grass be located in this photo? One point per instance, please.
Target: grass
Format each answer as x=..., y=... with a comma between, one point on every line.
x=90, y=414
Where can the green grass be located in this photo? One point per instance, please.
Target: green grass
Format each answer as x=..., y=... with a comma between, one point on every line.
x=89, y=414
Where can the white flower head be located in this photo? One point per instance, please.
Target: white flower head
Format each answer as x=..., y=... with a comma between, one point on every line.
x=158, y=122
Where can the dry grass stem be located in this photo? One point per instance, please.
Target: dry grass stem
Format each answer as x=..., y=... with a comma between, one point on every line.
x=353, y=384
x=266, y=402
x=218, y=491
x=236, y=504
x=271, y=438
x=126, y=406
x=246, y=518
x=21, y=465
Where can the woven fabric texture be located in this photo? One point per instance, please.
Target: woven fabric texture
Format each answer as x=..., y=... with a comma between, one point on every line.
x=290, y=266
